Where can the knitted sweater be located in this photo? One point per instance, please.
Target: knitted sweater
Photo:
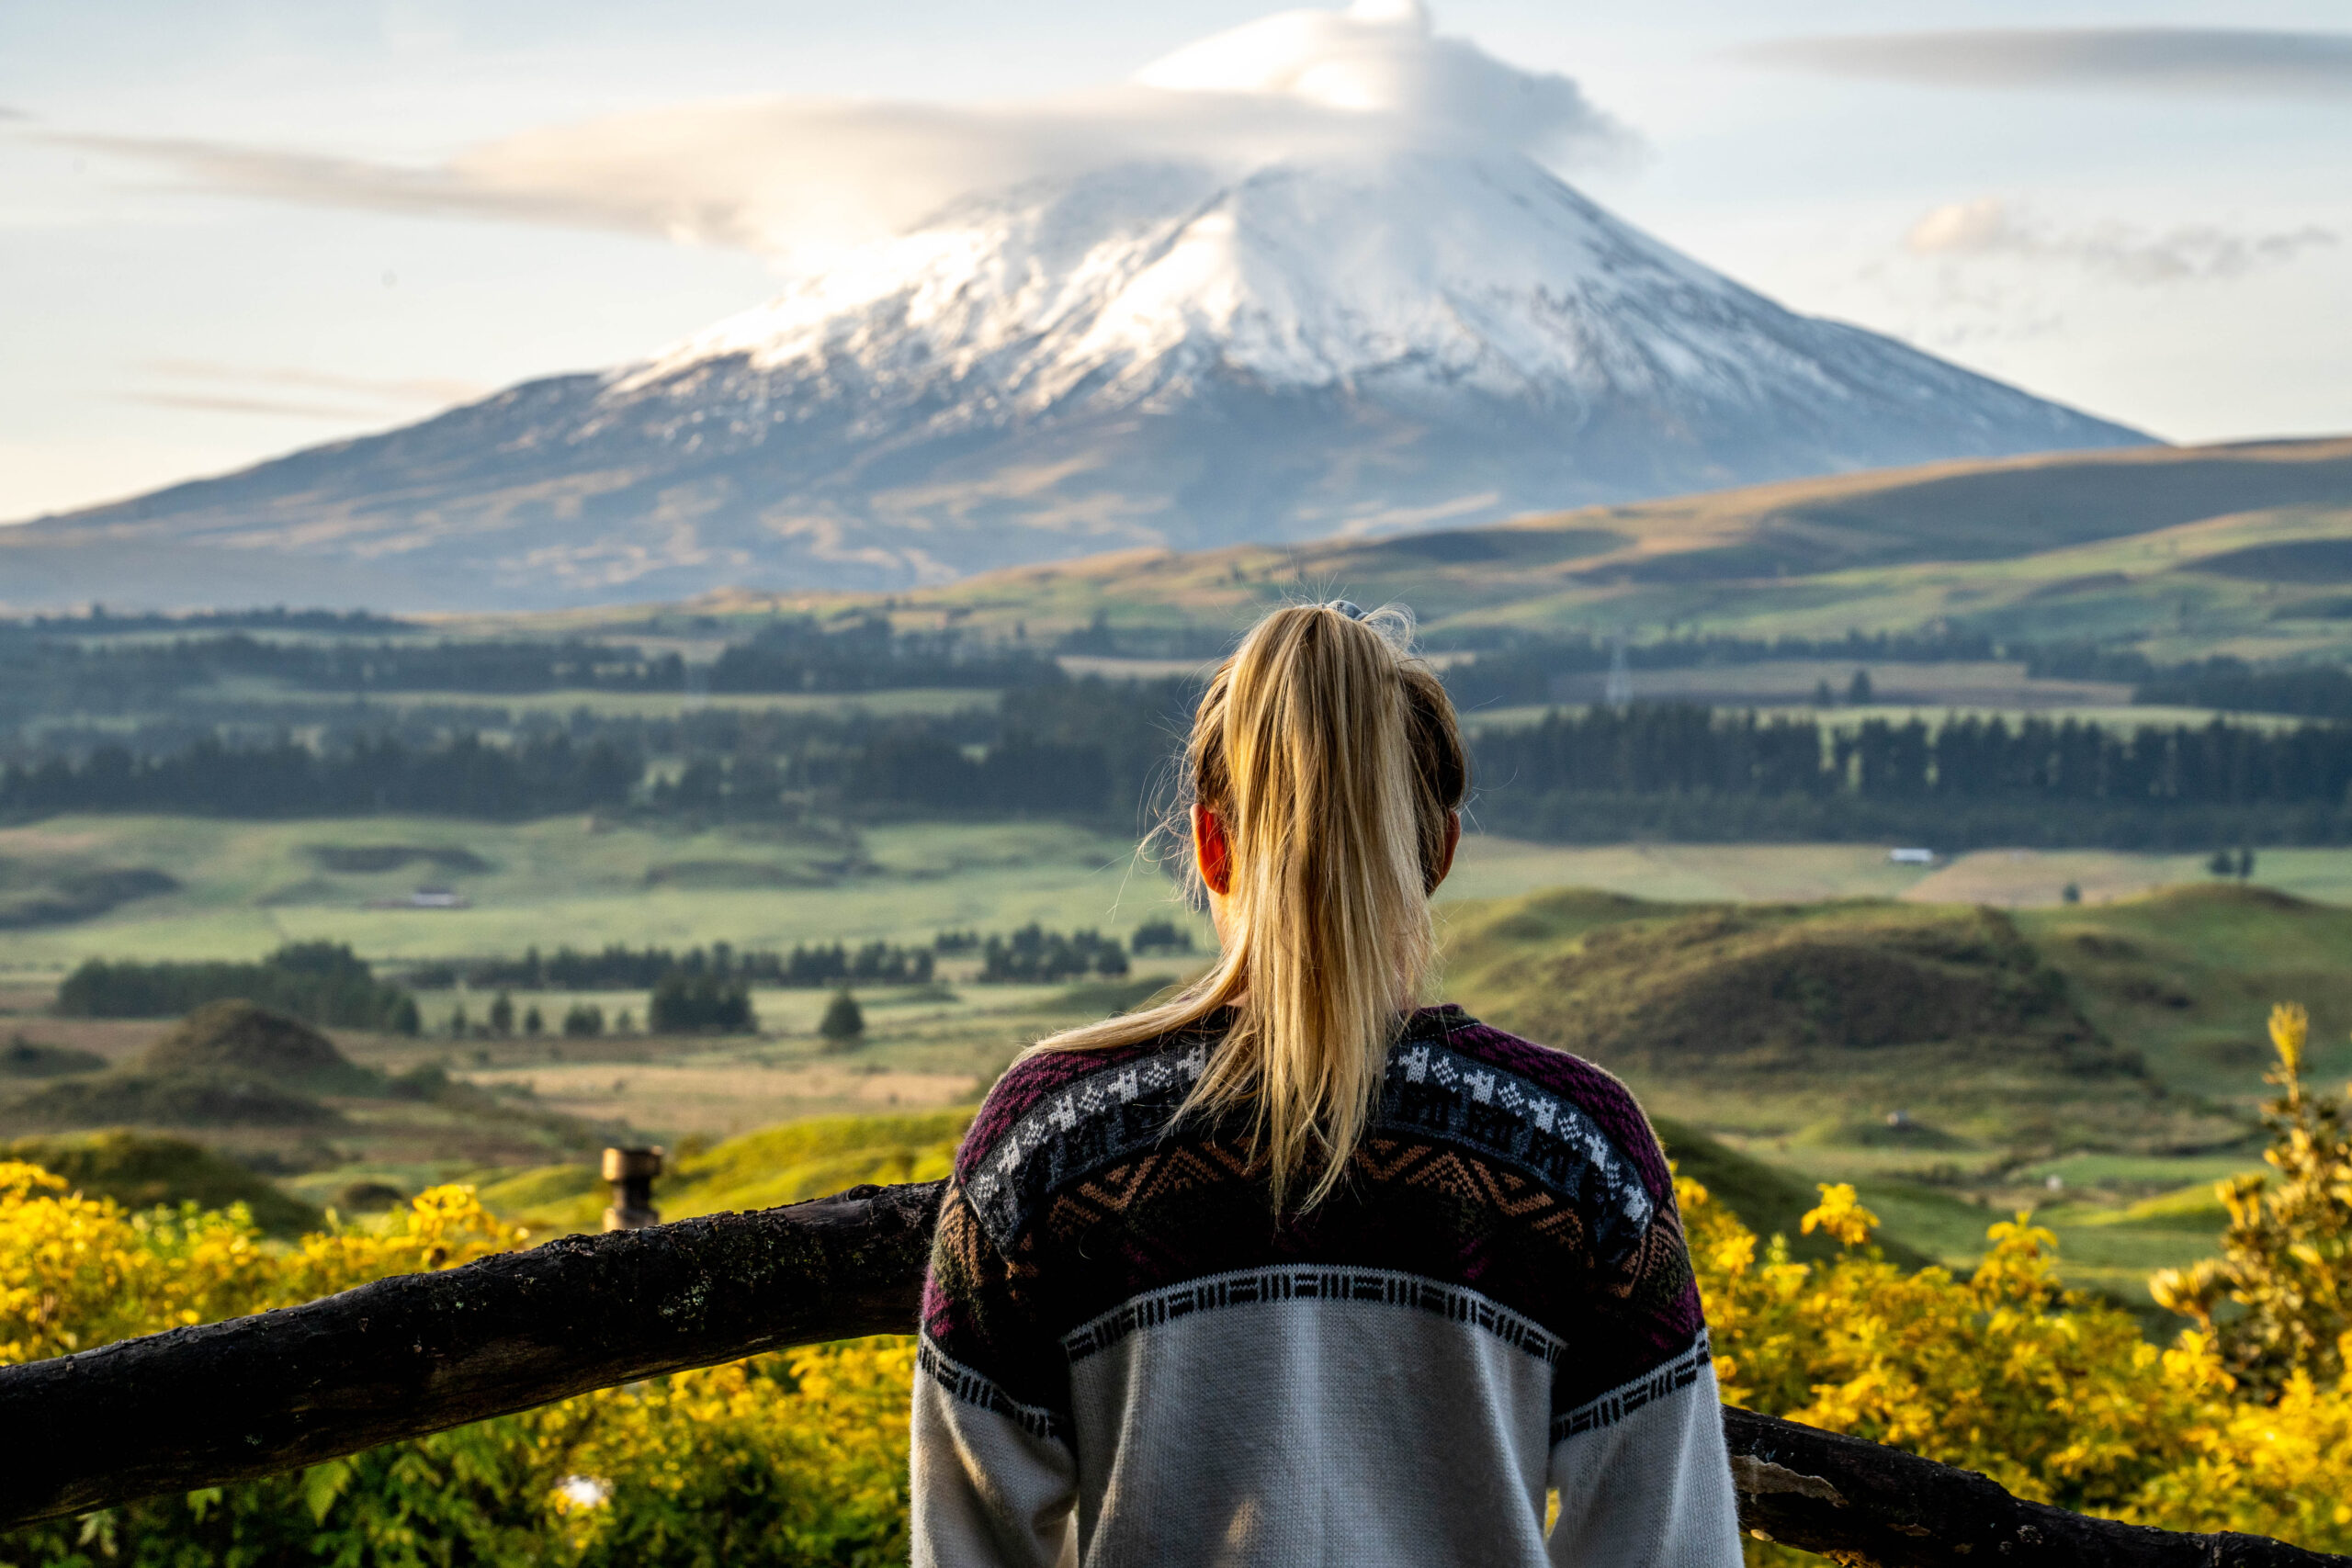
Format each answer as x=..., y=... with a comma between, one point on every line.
x=1127, y=1359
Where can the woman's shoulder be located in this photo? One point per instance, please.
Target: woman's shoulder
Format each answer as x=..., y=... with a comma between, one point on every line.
x=1495, y=1068
x=1053, y=1093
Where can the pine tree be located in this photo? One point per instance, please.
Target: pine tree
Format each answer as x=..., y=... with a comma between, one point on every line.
x=844, y=1022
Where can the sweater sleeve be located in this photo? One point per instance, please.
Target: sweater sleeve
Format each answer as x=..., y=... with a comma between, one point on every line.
x=1637, y=1433
x=993, y=1478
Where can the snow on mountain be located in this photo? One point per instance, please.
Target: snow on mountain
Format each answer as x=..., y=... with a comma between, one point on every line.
x=1412, y=331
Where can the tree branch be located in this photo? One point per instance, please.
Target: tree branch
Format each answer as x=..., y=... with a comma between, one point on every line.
x=420, y=1353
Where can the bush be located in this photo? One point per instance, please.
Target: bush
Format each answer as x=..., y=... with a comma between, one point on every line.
x=801, y=1457
x=786, y=1459
x=2286, y=1259
x=1161, y=936
x=844, y=1022
x=583, y=1020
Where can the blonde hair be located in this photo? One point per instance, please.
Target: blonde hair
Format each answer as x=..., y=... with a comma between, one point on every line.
x=1331, y=757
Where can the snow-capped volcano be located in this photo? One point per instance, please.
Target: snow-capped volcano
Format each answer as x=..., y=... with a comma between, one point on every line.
x=1407, y=330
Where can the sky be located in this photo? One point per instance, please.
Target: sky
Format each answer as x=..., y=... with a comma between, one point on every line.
x=234, y=228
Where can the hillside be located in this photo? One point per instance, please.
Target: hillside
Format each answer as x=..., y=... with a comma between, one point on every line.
x=2195, y=546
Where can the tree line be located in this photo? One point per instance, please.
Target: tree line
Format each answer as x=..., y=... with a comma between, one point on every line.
x=619, y=967
x=1687, y=772
x=464, y=776
x=323, y=982
x=1107, y=751
x=789, y=654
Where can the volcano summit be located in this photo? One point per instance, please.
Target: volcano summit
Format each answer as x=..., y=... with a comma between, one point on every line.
x=1154, y=351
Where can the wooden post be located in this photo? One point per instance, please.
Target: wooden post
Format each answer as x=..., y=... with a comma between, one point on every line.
x=632, y=1172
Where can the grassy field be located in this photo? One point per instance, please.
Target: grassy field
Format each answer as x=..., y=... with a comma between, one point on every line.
x=245, y=887
x=2181, y=979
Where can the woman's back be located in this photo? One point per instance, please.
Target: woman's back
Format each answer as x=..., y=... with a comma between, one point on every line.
x=1496, y=1300
x=1283, y=1271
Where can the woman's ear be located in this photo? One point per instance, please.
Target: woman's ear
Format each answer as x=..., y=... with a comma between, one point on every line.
x=1211, y=852
x=1453, y=842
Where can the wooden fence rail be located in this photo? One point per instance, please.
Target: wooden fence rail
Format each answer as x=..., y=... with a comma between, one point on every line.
x=420, y=1353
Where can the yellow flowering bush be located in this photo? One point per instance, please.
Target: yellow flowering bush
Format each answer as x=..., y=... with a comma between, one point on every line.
x=2242, y=1423
x=784, y=1459
x=2287, y=1255
x=76, y=1271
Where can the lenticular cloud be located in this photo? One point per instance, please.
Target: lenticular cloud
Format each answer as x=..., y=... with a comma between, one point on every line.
x=786, y=176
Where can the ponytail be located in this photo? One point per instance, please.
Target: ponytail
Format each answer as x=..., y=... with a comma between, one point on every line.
x=1331, y=758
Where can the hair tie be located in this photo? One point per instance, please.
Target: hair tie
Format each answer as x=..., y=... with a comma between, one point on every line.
x=1346, y=609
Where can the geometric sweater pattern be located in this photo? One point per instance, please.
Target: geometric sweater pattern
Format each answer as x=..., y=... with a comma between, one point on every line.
x=1128, y=1357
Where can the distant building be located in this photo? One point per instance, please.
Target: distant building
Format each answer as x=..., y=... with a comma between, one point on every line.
x=426, y=898
x=1912, y=857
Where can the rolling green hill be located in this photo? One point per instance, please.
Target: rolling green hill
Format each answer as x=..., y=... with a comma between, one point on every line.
x=2245, y=549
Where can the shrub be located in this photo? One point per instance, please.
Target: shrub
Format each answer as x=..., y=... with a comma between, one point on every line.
x=2287, y=1254
x=844, y=1022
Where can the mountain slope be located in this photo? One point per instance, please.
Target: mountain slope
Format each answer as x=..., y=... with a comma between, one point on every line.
x=1151, y=355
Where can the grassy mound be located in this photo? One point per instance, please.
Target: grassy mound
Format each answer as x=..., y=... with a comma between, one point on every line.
x=1774, y=989
x=166, y=1099
x=239, y=1039
x=139, y=1171
x=23, y=1058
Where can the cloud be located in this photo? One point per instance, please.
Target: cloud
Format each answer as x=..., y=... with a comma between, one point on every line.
x=8, y=114
x=404, y=390
x=772, y=174
x=2219, y=62
x=1990, y=226
x=274, y=406
x=247, y=388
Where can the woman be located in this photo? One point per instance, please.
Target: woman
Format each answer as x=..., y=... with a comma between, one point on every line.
x=1287, y=1272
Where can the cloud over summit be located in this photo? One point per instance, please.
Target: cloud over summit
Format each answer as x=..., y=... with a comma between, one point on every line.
x=779, y=175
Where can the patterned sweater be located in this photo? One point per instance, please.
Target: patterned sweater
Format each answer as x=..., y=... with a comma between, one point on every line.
x=1126, y=1360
